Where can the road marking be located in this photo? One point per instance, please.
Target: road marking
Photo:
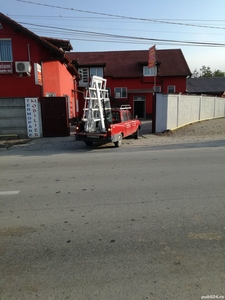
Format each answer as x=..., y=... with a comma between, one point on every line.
x=9, y=193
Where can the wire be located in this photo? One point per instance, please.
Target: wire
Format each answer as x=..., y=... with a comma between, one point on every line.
x=125, y=37
x=121, y=16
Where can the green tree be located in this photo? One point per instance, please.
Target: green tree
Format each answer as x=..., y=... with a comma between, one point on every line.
x=195, y=73
x=218, y=73
x=206, y=72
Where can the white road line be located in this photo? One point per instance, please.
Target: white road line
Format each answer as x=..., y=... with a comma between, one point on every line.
x=9, y=193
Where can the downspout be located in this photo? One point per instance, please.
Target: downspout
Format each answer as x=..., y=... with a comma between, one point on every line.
x=74, y=98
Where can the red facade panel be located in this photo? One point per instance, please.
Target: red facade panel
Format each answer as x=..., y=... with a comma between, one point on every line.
x=125, y=69
x=29, y=48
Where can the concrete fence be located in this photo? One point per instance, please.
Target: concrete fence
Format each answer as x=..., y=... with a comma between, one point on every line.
x=173, y=111
x=13, y=117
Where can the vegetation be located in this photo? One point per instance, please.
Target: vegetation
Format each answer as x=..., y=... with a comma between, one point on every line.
x=207, y=72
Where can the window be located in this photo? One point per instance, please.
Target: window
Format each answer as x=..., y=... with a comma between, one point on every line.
x=157, y=89
x=86, y=73
x=96, y=71
x=116, y=117
x=125, y=118
x=6, y=50
x=120, y=92
x=129, y=116
x=149, y=71
x=171, y=89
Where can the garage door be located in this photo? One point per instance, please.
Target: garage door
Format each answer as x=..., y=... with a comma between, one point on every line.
x=13, y=117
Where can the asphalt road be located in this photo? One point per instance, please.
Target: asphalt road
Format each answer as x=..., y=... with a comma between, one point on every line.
x=113, y=223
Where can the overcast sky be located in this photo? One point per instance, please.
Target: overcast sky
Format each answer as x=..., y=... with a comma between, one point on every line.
x=197, y=27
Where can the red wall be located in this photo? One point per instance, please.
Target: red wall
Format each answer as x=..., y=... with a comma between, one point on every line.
x=142, y=84
x=56, y=78
x=59, y=81
x=23, y=47
x=146, y=83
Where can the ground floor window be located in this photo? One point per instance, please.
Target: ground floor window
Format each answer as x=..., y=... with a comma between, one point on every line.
x=171, y=89
x=120, y=92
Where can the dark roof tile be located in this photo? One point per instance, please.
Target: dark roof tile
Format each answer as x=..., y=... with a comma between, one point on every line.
x=206, y=85
x=129, y=63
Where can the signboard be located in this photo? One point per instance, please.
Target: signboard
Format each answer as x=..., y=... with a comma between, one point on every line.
x=151, y=57
x=38, y=74
x=33, y=117
x=6, y=68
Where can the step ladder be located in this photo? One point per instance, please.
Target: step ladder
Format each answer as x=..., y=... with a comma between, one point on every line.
x=97, y=108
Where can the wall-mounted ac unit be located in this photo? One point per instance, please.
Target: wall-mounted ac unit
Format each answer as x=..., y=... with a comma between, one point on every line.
x=23, y=67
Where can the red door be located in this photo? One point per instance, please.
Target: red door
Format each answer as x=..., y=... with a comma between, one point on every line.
x=55, y=121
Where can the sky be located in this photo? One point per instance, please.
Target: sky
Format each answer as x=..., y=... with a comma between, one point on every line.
x=197, y=27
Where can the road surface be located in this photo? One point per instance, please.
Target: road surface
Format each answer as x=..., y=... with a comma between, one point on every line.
x=112, y=223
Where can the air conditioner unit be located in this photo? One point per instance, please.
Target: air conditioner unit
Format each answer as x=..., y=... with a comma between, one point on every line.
x=23, y=67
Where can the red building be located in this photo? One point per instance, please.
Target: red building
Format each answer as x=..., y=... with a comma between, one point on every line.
x=34, y=67
x=129, y=79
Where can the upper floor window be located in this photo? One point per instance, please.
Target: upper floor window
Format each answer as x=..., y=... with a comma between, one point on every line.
x=171, y=89
x=120, y=92
x=149, y=71
x=86, y=73
x=96, y=71
x=6, y=50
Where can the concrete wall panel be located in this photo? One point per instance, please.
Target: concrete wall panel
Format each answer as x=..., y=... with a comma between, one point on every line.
x=174, y=111
x=13, y=117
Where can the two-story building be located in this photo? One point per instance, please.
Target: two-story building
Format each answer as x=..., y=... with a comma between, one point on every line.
x=129, y=79
x=33, y=68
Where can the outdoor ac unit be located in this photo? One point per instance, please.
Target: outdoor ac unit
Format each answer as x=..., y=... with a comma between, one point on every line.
x=23, y=67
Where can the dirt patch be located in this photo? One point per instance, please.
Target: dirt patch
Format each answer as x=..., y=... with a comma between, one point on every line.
x=9, y=143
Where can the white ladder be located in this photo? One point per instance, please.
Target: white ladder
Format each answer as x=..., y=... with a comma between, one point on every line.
x=97, y=105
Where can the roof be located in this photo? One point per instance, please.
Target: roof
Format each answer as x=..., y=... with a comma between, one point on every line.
x=59, y=43
x=59, y=54
x=206, y=85
x=129, y=63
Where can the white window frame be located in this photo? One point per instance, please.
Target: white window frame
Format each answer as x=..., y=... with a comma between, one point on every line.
x=171, y=87
x=7, y=56
x=120, y=92
x=149, y=71
x=84, y=73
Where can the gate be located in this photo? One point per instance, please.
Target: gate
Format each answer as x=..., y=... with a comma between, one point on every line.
x=55, y=121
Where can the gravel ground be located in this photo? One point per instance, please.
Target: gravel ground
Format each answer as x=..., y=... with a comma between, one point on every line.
x=199, y=129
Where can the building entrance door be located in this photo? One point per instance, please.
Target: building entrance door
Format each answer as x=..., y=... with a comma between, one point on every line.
x=139, y=107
